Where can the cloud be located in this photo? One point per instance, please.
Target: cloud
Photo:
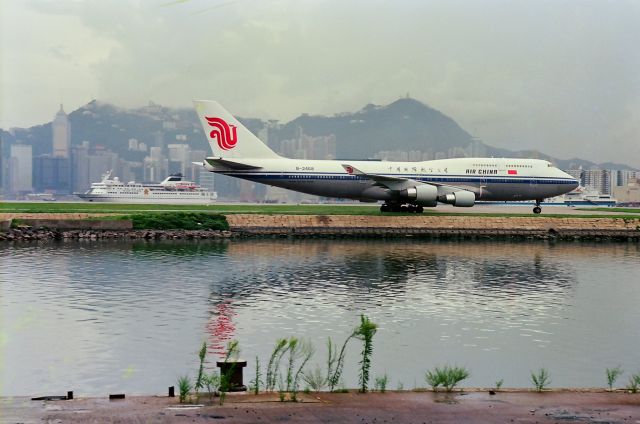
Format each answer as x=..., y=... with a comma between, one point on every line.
x=557, y=76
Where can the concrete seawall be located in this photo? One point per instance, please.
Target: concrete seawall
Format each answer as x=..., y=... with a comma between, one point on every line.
x=252, y=225
x=434, y=226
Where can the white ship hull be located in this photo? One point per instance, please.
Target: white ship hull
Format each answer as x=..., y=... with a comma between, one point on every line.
x=111, y=198
x=173, y=190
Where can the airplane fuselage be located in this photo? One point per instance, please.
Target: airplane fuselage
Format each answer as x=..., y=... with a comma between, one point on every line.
x=494, y=179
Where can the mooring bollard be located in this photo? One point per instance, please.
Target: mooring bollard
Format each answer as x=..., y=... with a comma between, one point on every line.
x=235, y=368
x=172, y=391
x=70, y=395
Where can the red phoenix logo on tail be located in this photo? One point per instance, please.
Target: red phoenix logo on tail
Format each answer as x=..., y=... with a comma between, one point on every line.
x=224, y=133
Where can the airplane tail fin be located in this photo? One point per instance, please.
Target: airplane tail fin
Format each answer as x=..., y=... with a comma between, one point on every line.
x=227, y=137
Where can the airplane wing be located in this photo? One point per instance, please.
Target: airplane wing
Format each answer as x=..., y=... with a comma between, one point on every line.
x=394, y=183
x=400, y=183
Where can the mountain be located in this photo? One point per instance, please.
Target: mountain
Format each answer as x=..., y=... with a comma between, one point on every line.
x=404, y=125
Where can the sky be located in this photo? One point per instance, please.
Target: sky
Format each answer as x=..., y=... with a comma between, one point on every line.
x=559, y=76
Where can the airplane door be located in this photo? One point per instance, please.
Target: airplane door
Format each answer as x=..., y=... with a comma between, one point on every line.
x=483, y=187
x=533, y=186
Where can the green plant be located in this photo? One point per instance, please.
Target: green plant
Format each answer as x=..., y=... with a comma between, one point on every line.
x=211, y=382
x=541, y=379
x=381, y=383
x=499, y=384
x=634, y=383
x=335, y=362
x=255, y=383
x=365, y=332
x=201, y=355
x=448, y=377
x=292, y=348
x=184, y=386
x=400, y=386
x=306, y=352
x=612, y=375
x=315, y=379
x=274, y=364
x=282, y=394
x=434, y=379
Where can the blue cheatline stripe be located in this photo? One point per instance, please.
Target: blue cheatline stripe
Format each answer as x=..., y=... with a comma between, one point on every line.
x=454, y=179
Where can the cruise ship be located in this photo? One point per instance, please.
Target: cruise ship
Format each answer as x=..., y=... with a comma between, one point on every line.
x=584, y=196
x=173, y=190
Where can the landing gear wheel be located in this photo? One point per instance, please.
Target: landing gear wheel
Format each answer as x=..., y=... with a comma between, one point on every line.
x=385, y=208
x=537, y=210
x=419, y=209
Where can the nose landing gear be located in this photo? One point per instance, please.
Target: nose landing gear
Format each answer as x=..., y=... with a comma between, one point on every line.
x=537, y=209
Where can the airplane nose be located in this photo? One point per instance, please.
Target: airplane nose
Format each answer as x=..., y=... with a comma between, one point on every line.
x=575, y=184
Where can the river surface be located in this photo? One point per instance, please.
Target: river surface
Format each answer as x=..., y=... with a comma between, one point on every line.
x=129, y=317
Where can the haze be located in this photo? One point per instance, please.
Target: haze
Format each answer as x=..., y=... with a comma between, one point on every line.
x=558, y=76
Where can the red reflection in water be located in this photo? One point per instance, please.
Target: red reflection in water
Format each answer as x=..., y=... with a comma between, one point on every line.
x=220, y=328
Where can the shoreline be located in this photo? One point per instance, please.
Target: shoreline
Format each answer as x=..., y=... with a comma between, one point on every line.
x=94, y=227
x=394, y=406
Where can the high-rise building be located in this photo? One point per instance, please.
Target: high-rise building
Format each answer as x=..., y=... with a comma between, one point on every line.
x=51, y=174
x=21, y=169
x=61, y=129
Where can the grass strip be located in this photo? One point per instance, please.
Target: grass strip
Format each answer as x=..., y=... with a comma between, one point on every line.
x=265, y=209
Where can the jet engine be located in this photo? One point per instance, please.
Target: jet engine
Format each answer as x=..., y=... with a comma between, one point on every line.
x=463, y=199
x=425, y=195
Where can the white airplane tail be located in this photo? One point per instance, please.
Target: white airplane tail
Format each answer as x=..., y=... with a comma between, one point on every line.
x=227, y=137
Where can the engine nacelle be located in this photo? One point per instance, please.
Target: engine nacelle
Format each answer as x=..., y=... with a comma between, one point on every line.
x=464, y=199
x=425, y=195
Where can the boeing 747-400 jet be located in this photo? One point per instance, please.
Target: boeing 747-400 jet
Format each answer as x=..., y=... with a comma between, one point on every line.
x=401, y=186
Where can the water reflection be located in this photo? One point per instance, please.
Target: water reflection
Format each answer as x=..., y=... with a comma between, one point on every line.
x=131, y=316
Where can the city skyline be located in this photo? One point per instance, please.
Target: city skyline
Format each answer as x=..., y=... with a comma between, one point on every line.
x=556, y=77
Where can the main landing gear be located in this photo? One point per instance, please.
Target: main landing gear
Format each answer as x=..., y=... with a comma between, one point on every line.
x=397, y=207
x=537, y=209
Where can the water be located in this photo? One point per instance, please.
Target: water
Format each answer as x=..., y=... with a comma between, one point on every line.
x=130, y=317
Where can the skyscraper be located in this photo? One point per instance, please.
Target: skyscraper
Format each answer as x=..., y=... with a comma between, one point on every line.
x=61, y=129
x=20, y=169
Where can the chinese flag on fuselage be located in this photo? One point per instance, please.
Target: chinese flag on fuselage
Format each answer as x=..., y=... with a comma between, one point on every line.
x=512, y=172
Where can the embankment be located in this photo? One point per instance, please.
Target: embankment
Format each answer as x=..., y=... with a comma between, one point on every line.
x=251, y=225
x=434, y=226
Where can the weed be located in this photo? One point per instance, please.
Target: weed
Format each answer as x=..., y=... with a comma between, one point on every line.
x=434, y=379
x=179, y=220
x=634, y=383
x=541, y=379
x=336, y=362
x=201, y=355
x=381, y=383
x=365, y=332
x=184, y=386
x=499, y=384
x=281, y=391
x=255, y=383
x=305, y=352
x=612, y=375
x=274, y=363
x=314, y=379
x=448, y=377
x=211, y=382
x=400, y=386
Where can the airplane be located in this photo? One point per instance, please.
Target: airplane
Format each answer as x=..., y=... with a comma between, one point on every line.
x=401, y=186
